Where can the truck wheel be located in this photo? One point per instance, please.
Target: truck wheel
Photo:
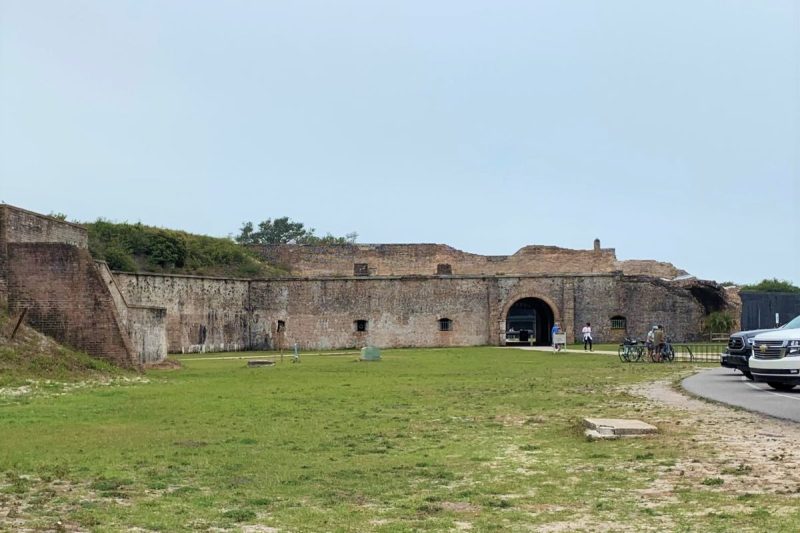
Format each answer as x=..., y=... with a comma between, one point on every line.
x=748, y=375
x=780, y=386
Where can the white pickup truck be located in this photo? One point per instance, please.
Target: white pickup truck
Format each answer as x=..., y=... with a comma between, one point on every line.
x=776, y=358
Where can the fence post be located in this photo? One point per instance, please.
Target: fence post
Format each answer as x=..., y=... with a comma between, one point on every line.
x=19, y=321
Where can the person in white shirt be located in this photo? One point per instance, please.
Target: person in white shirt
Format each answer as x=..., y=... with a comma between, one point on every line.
x=651, y=340
x=587, y=337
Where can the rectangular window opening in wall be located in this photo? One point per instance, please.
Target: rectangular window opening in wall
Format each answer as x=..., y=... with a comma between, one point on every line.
x=444, y=269
x=361, y=269
x=445, y=324
x=281, y=325
x=619, y=322
x=361, y=325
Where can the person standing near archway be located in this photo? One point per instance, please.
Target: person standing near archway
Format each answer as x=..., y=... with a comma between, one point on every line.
x=587, y=337
x=553, y=332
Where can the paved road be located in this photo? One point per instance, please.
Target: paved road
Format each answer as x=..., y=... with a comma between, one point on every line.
x=726, y=386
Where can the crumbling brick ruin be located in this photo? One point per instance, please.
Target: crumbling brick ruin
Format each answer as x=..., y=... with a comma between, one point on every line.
x=344, y=296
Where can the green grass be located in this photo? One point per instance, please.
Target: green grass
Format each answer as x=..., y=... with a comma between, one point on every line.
x=36, y=361
x=422, y=440
x=18, y=367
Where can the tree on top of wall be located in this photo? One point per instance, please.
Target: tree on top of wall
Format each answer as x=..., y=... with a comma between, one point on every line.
x=284, y=231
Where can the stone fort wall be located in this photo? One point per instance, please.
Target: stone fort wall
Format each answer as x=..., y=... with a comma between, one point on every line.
x=46, y=270
x=208, y=314
x=65, y=298
x=439, y=259
x=202, y=314
x=19, y=225
x=400, y=293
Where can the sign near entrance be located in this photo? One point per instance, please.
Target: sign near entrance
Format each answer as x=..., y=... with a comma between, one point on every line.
x=560, y=338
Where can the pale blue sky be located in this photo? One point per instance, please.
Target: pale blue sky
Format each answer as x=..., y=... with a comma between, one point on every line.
x=669, y=129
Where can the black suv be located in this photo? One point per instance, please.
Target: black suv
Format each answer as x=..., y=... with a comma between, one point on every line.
x=740, y=345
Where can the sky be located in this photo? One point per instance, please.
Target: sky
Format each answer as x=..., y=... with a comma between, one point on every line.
x=670, y=130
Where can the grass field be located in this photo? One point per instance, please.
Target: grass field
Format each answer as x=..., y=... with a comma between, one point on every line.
x=446, y=439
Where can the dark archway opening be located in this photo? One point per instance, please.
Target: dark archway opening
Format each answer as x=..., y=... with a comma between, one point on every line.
x=529, y=321
x=711, y=298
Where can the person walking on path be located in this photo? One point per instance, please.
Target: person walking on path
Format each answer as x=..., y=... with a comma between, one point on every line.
x=556, y=329
x=587, y=337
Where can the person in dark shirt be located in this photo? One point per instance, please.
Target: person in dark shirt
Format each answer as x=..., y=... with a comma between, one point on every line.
x=658, y=340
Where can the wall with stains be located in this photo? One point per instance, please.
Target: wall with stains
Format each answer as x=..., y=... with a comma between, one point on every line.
x=210, y=314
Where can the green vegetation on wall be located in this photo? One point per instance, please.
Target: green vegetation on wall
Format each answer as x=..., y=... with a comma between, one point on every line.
x=772, y=285
x=136, y=247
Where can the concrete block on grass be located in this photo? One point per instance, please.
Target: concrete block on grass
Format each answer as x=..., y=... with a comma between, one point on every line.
x=614, y=428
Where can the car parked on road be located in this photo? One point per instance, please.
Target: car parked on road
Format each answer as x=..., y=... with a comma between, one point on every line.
x=776, y=358
x=740, y=347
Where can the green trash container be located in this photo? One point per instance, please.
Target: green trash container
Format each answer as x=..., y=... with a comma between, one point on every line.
x=370, y=353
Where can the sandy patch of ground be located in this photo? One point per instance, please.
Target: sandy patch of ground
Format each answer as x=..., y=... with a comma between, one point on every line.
x=49, y=388
x=20, y=496
x=460, y=507
x=587, y=524
x=730, y=450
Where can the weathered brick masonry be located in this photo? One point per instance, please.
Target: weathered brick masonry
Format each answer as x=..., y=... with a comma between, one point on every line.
x=144, y=325
x=19, y=225
x=45, y=267
x=206, y=314
x=341, y=296
x=202, y=314
x=439, y=259
x=66, y=299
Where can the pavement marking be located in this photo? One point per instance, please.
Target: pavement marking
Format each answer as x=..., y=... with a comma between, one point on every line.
x=753, y=385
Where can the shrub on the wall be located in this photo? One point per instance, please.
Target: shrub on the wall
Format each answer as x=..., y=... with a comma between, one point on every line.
x=772, y=285
x=119, y=259
x=140, y=248
x=165, y=250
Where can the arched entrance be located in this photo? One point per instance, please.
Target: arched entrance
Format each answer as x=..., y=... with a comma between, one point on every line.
x=530, y=320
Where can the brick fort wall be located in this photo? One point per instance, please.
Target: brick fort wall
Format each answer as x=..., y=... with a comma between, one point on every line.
x=66, y=299
x=209, y=314
x=439, y=259
x=20, y=225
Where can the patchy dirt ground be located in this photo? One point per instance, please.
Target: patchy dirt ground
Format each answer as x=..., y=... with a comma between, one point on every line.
x=749, y=453
x=726, y=450
x=48, y=387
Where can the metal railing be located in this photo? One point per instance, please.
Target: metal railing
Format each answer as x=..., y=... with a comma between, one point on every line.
x=701, y=352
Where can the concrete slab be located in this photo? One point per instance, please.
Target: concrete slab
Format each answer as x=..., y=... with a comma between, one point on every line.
x=591, y=434
x=619, y=427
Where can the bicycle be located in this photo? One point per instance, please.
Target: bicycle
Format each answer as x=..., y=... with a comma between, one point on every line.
x=664, y=352
x=630, y=350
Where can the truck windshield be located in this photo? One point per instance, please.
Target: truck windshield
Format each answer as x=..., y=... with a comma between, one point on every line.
x=792, y=324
